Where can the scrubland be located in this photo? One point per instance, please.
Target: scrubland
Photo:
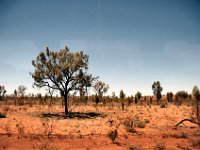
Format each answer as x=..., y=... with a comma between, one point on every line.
x=90, y=126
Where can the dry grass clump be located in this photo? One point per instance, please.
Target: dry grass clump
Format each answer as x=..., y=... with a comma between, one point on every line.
x=163, y=105
x=160, y=146
x=20, y=128
x=141, y=124
x=196, y=143
x=138, y=147
x=113, y=135
x=129, y=126
x=131, y=123
x=48, y=126
x=182, y=135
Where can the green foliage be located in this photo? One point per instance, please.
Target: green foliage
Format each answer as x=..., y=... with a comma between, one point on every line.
x=21, y=90
x=180, y=96
x=169, y=96
x=122, y=94
x=138, y=96
x=101, y=88
x=60, y=70
x=157, y=89
x=85, y=81
x=196, y=93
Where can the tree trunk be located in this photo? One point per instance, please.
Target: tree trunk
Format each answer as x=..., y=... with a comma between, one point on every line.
x=66, y=104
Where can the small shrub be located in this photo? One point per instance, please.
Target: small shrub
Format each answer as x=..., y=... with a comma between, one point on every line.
x=2, y=115
x=113, y=135
x=48, y=127
x=129, y=126
x=20, y=129
x=165, y=135
x=146, y=120
x=196, y=143
x=179, y=136
x=163, y=105
x=135, y=147
x=141, y=124
x=160, y=146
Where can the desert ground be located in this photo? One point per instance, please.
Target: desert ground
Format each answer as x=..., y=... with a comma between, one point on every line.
x=88, y=127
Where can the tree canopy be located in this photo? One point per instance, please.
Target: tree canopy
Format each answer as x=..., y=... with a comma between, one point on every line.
x=157, y=89
x=60, y=70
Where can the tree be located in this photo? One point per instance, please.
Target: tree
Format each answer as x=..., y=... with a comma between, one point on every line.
x=157, y=89
x=2, y=92
x=15, y=93
x=180, y=95
x=85, y=81
x=122, y=96
x=21, y=90
x=100, y=88
x=60, y=71
x=96, y=98
x=138, y=96
x=196, y=94
x=169, y=96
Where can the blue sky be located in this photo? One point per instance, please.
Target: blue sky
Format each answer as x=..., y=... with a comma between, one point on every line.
x=131, y=43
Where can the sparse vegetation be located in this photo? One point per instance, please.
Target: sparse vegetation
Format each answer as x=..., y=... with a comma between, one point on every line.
x=66, y=72
x=138, y=147
x=20, y=128
x=196, y=143
x=181, y=135
x=163, y=105
x=113, y=135
x=180, y=96
x=129, y=125
x=160, y=146
x=169, y=97
x=140, y=124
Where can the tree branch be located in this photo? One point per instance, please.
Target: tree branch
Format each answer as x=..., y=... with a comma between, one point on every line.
x=186, y=120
